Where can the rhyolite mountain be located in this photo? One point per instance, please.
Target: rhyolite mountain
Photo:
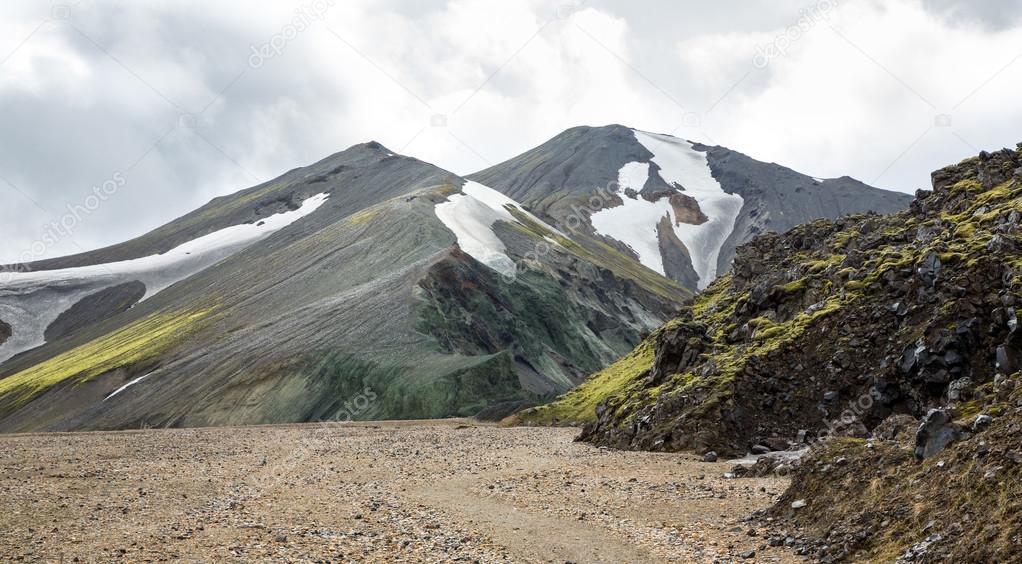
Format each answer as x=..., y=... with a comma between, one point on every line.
x=370, y=274
x=892, y=344
x=367, y=274
x=681, y=208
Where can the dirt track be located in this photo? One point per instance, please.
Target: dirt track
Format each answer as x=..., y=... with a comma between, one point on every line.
x=390, y=492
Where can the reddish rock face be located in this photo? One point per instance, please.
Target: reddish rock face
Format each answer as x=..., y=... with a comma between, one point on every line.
x=686, y=210
x=5, y=332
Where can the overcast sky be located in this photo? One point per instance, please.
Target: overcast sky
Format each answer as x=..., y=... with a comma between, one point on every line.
x=173, y=102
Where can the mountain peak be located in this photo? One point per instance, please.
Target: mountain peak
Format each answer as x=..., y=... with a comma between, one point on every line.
x=373, y=147
x=357, y=155
x=716, y=198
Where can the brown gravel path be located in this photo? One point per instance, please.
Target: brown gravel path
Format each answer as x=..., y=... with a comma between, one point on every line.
x=437, y=491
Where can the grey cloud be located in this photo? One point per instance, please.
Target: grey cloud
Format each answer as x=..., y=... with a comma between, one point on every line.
x=322, y=95
x=997, y=14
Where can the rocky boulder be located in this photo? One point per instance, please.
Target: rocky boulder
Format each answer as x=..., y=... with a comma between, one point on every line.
x=936, y=432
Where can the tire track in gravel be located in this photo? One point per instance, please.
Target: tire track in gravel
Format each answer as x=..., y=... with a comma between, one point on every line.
x=531, y=535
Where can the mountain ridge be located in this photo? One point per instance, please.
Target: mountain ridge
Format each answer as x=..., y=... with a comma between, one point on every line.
x=586, y=170
x=443, y=295
x=276, y=329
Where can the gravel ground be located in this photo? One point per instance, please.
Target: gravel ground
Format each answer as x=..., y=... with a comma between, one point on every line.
x=389, y=492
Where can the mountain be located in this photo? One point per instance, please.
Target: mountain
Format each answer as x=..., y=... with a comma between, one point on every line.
x=365, y=275
x=681, y=208
x=373, y=275
x=891, y=344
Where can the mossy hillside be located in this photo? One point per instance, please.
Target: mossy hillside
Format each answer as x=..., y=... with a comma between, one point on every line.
x=901, y=310
x=873, y=501
x=806, y=299
x=472, y=311
x=708, y=387
x=364, y=217
x=132, y=345
x=578, y=406
x=337, y=386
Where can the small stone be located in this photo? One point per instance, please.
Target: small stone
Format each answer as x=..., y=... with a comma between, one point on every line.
x=748, y=555
x=798, y=504
x=960, y=389
x=982, y=421
x=710, y=457
x=776, y=443
x=760, y=449
x=935, y=432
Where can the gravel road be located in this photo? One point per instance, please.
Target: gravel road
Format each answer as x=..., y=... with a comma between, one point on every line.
x=437, y=491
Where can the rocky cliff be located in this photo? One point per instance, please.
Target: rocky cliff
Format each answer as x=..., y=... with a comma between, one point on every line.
x=890, y=344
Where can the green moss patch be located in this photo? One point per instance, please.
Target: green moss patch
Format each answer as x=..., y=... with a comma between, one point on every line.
x=138, y=342
x=579, y=405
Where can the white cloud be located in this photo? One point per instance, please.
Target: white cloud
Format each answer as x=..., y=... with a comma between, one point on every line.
x=507, y=76
x=855, y=92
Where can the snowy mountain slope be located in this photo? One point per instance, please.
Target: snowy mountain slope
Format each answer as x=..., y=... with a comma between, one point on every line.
x=372, y=271
x=637, y=220
x=471, y=216
x=367, y=286
x=31, y=302
x=592, y=182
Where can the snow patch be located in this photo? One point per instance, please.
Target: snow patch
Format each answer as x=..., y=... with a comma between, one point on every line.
x=158, y=271
x=635, y=222
x=31, y=301
x=634, y=176
x=471, y=216
x=128, y=385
